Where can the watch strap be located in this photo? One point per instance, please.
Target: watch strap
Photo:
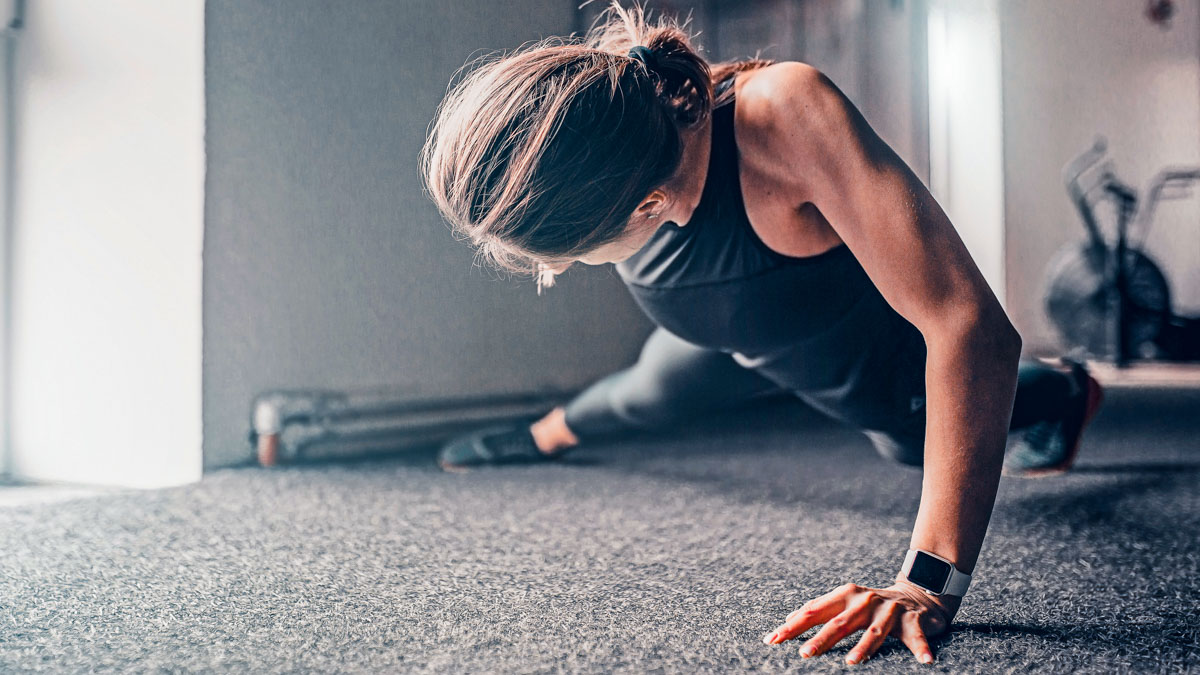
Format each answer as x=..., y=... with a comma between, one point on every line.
x=958, y=582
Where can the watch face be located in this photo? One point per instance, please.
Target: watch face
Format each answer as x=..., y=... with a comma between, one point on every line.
x=929, y=572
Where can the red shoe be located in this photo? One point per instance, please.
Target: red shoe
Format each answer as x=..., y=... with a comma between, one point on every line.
x=1050, y=448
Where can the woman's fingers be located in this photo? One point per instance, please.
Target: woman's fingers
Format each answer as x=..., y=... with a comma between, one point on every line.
x=814, y=612
x=913, y=637
x=880, y=612
x=857, y=615
x=885, y=620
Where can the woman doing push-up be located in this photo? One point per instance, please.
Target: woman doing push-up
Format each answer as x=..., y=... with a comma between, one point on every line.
x=779, y=245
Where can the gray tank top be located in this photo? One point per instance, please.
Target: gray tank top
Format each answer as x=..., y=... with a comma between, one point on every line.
x=815, y=325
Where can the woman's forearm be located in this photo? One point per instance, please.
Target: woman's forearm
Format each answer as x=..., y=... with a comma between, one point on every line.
x=971, y=378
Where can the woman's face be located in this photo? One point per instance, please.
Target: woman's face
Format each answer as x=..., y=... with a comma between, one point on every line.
x=645, y=220
x=636, y=235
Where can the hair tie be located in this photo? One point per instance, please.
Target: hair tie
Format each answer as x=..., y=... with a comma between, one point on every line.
x=646, y=56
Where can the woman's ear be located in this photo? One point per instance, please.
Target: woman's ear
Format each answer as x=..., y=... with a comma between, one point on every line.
x=653, y=205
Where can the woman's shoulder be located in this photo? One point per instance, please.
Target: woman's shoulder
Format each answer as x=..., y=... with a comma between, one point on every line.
x=783, y=108
x=779, y=73
x=780, y=87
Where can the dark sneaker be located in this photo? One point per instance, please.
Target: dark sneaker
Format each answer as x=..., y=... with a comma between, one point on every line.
x=1050, y=448
x=493, y=445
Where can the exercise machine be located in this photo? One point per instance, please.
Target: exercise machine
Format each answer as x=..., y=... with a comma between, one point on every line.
x=1111, y=301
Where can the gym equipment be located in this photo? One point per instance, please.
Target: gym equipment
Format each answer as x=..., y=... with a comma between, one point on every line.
x=291, y=426
x=1113, y=302
x=1160, y=12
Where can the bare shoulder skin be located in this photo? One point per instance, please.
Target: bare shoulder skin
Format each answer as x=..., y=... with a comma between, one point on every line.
x=784, y=225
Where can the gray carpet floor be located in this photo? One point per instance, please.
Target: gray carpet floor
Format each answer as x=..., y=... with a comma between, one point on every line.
x=672, y=553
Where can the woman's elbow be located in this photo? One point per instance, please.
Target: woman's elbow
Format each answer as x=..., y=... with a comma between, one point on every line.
x=990, y=334
x=998, y=335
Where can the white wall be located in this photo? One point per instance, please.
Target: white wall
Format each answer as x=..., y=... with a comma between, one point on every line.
x=108, y=228
x=10, y=21
x=966, y=150
x=1074, y=68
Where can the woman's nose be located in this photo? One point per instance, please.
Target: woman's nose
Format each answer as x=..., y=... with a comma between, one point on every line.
x=557, y=268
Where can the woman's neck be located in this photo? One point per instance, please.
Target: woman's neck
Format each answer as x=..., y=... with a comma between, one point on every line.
x=688, y=182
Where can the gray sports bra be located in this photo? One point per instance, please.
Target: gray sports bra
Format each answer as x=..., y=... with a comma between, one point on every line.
x=815, y=325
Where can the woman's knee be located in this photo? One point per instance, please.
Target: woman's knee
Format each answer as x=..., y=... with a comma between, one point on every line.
x=621, y=402
x=647, y=404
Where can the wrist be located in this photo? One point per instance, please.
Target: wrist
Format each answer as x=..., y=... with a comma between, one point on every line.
x=946, y=605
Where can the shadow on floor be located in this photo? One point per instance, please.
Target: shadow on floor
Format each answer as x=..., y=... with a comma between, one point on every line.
x=1139, y=467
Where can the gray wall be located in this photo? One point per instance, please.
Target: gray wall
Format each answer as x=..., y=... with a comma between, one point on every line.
x=875, y=52
x=324, y=264
x=1074, y=68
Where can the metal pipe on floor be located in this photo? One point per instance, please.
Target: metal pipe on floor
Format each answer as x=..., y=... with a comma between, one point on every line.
x=298, y=425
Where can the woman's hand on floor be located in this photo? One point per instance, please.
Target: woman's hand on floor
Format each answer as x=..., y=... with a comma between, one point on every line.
x=902, y=610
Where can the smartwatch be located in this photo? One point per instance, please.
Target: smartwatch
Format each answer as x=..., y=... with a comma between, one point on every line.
x=934, y=574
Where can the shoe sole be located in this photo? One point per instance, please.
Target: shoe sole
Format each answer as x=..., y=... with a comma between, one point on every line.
x=1095, y=396
x=454, y=468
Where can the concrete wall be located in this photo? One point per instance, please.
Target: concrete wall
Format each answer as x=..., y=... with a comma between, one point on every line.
x=1072, y=69
x=109, y=165
x=874, y=50
x=325, y=265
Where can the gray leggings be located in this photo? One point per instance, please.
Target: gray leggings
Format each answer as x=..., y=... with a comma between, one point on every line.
x=674, y=380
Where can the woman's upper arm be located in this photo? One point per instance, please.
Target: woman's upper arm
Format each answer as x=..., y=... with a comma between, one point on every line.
x=798, y=129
